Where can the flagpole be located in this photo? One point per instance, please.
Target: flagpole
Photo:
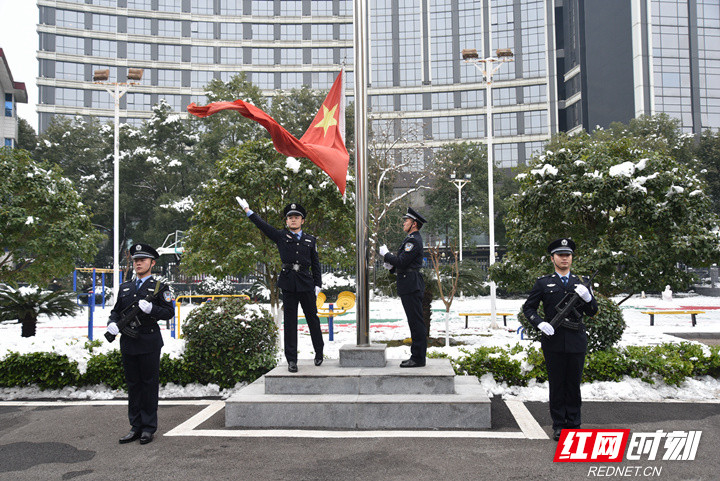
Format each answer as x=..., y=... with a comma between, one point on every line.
x=361, y=156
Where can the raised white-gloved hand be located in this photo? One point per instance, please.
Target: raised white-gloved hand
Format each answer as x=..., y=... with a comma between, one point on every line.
x=145, y=306
x=243, y=203
x=383, y=250
x=546, y=328
x=317, y=291
x=583, y=292
x=387, y=265
x=113, y=329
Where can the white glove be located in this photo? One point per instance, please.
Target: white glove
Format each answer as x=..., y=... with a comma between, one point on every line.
x=113, y=329
x=145, y=306
x=546, y=328
x=317, y=291
x=383, y=250
x=583, y=292
x=387, y=265
x=243, y=203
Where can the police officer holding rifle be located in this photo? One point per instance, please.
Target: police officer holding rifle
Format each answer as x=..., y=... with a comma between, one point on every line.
x=141, y=303
x=565, y=298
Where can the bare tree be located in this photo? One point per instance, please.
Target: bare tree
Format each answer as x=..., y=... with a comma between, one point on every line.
x=454, y=276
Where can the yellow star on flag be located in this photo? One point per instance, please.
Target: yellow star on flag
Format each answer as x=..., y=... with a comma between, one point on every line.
x=328, y=118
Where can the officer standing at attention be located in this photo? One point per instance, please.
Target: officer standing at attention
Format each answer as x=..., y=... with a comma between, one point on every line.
x=406, y=266
x=141, y=346
x=300, y=279
x=564, y=347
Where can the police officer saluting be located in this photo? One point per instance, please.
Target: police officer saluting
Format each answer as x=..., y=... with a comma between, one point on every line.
x=141, y=341
x=406, y=266
x=300, y=279
x=564, y=347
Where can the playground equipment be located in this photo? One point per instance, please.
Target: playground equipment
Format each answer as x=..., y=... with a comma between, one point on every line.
x=173, y=244
x=91, y=295
x=345, y=302
x=175, y=322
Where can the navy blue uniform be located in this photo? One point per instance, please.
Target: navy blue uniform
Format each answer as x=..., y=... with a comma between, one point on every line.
x=411, y=287
x=564, y=351
x=299, y=276
x=141, y=355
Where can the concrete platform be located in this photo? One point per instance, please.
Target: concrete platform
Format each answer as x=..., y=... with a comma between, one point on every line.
x=361, y=398
x=437, y=377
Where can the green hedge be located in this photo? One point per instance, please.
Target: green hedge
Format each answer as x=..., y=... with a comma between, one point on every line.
x=673, y=363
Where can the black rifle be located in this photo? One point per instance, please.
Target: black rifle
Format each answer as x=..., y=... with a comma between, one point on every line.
x=567, y=314
x=129, y=323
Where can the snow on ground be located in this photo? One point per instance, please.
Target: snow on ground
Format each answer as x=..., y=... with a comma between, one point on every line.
x=68, y=336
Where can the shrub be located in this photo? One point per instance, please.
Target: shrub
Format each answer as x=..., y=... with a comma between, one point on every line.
x=105, y=369
x=27, y=303
x=47, y=370
x=604, y=329
x=228, y=341
x=664, y=361
x=174, y=371
x=608, y=365
x=493, y=360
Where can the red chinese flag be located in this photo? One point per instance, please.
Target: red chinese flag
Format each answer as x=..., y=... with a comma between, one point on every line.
x=323, y=143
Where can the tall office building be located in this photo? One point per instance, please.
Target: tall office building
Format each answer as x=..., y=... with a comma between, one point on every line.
x=620, y=59
x=13, y=92
x=577, y=63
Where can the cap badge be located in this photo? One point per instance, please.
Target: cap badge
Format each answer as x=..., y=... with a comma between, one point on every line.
x=292, y=206
x=564, y=242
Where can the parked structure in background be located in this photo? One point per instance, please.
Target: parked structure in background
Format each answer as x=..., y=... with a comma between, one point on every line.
x=578, y=64
x=13, y=93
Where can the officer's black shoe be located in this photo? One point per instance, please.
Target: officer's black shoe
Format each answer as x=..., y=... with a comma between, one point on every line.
x=129, y=437
x=146, y=438
x=556, y=434
x=411, y=363
x=318, y=361
x=292, y=366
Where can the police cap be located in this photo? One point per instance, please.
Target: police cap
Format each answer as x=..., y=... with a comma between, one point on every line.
x=411, y=214
x=138, y=251
x=294, y=209
x=561, y=246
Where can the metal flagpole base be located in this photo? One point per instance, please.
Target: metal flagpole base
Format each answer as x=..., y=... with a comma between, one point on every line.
x=372, y=355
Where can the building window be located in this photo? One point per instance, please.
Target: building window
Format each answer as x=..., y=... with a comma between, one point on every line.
x=71, y=45
x=139, y=26
x=506, y=155
x=473, y=126
x=231, y=55
x=8, y=142
x=170, y=78
x=291, y=8
x=321, y=32
x=169, y=6
x=382, y=103
x=505, y=124
x=322, y=56
x=290, y=80
x=169, y=28
x=69, y=19
x=136, y=101
x=443, y=128
x=104, y=48
x=138, y=51
x=201, y=30
x=104, y=23
x=536, y=122
x=263, y=8
x=321, y=8
x=263, y=56
x=231, y=31
x=534, y=94
x=201, y=54
x=290, y=32
x=101, y=100
x=202, y=7
x=472, y=98
x=264, y=80
x=140, y=4
x=69, y=71
x=8, y=105
x=231, y=7
x=200, y=78
x=175, y=101
x=169, y=53
x=263, y=31
x=443, y=100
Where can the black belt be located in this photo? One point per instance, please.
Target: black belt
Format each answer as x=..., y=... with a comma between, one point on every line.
x=295, y=267
x=573, y=326
x=403, y=271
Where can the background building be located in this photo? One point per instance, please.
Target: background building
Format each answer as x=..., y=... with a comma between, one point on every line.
x=577, y=64
x=13, y=92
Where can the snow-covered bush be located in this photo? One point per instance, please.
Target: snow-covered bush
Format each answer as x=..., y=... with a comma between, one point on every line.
x=229, y=340
x=218, y=287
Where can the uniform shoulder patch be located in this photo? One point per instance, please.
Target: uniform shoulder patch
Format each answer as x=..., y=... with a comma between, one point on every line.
x=409, y=246
x=167, y=295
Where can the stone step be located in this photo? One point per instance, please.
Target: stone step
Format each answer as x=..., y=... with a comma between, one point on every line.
x=437, y=377
x=467, y=408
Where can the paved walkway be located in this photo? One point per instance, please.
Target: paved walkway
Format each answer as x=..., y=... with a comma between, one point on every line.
x=78, y=440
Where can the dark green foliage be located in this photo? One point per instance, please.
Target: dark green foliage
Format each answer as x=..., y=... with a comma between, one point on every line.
x=609, y=365
x=106, y=369
x=492, y=360
x=228, y=341
x=604, y=329
x=47, y=370
x=174, y=371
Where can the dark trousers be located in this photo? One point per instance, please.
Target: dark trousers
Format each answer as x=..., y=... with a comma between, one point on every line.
x=290, y=313
x=412, y=303
x=564, y=376
x=142, y=373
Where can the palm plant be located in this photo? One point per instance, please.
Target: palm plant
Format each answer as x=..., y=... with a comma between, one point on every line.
x=27, y=303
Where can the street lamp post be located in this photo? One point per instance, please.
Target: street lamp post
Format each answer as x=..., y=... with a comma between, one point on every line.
x=488, y=66
x=460, y=183
x=117, y=90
